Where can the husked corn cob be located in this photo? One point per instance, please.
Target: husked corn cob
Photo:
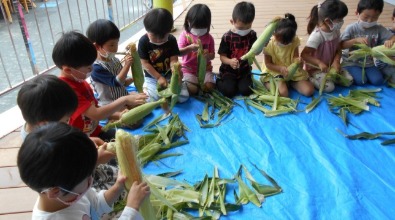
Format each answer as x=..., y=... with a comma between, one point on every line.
x=134, y=115
x=129, y=166
x=137, y=69
x=262, y=40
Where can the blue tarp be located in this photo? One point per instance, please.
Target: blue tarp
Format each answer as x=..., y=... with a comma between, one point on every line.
x=323, y=175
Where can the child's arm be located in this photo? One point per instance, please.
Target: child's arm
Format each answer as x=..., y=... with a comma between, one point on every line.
x=188, y=49
x=388, y=43
x=307, y=56
x=152, y=71
x=208, y=55
x=234, y=63
x=100, y=113
x=283, y=70
x=122, y=75
x=349, y=43
x=336, y=60
x=113, y=193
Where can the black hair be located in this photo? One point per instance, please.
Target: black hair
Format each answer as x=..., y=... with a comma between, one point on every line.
x=286, y=29
x=159, y=22
x=101, y=31
x=198, y=16
x=73, y=49
x=376, y=5
x=46, y=98
x=393, y=13
x=244, y=12
x=56, y=155
x=333, y=9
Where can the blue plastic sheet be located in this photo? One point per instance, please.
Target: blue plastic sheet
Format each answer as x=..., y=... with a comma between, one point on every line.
x=323, y=175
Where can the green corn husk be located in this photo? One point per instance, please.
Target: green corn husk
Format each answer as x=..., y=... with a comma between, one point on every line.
x=314, y=102
x=202, y=65
x=137, y=69
x=262, y=40
x=292, y=69
x=134, y=115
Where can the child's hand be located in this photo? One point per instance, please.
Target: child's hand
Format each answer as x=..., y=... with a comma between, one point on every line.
x=323, y=67
x=162, y=82
x=361, y=40
x=137, y=194
x=388, y=43
x=206, y=54
x=234, y=63
x=104, y=156
x=128, y=60
x=136, y=99
x=193, y=47
x=98, y=141
x=284, y=71
x=336, y=66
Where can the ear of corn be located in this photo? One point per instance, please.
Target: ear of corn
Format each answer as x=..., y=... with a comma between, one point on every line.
x=175, y=86
x=135, y=114
x=202, y=65
x=292, y=69
x=262, y=40
x=137, y=70
x=130, y=168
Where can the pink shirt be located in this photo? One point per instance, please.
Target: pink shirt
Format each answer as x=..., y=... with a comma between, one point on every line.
x=189, y=61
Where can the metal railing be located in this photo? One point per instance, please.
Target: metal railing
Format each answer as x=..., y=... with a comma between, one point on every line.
x=28, y=35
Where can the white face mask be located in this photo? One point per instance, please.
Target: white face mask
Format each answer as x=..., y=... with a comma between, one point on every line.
x=242, y=32
x=198, y=31
x=107, y=55
x=366, y=25
x=336, y=25
x=78, y=79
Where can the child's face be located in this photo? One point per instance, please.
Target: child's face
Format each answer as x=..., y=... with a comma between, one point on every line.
x=111, y=46
x=78, y=74
x=157, y=40
x=76, y=193
x=240, y=25
x=369, y=15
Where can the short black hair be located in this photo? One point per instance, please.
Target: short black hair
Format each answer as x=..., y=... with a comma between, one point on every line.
x=286, y=28
x=198, y=16
x=46, y=98
x=376, y=5
x=393, y=13
x=244, y=12
x=159, y=22
x=73, y=49
x=101, y=31
x=56, y=155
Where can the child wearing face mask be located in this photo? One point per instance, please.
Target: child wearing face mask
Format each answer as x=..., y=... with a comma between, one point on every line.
x=234, y=73
x=159, y=51
x=57, y=161
x=365, y=31
x=322, y=50
x=74, y=54
x=109, y=78
x=281, y=51
x=197, y=26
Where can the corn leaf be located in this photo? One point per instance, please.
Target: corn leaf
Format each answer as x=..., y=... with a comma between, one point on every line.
x=314, y=102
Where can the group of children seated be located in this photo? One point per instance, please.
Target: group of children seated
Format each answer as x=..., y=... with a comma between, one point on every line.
x=62, y=162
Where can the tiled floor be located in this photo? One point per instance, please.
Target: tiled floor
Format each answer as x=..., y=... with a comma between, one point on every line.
x=16, y=200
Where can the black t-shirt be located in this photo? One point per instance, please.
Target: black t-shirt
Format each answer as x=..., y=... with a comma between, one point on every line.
x=235, y=46
x=158, y=55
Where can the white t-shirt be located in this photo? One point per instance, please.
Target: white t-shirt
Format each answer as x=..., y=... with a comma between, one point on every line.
x=91, y=206
x=318, y=37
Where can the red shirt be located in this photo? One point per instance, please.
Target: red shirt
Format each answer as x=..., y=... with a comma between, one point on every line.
x=85, y=100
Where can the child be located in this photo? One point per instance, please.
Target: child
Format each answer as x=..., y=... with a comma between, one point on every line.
x=281, y=51
x=45, y=99
x=392, y=29
x=365, y=31
x=74, y=55
x=158, y=51
x=108, y=77
x=323, y=46
x=57, y=161
x=197, y=26
x=235, y=74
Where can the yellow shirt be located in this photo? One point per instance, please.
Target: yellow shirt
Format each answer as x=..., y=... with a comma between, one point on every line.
x=283, y=56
